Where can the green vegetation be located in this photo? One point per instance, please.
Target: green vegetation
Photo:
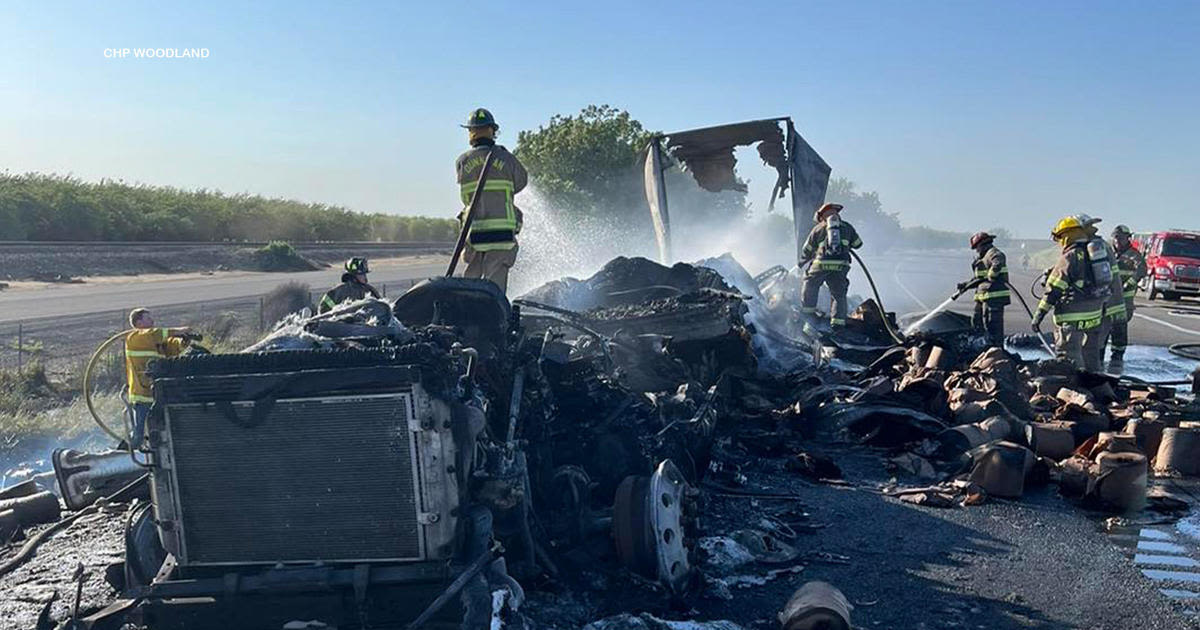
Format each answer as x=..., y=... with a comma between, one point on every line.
x=585, y=162
x=38, y=207
x=281, y=256
x=283, y=300
x=26, y=389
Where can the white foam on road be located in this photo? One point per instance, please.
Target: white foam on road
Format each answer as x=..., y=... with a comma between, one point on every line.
x=1161, y=547
x=1166, y=561
x=1171, y=576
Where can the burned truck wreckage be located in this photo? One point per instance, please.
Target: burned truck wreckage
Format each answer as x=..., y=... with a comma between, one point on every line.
x=454, y=460
x=656, y=442
x=431, y=455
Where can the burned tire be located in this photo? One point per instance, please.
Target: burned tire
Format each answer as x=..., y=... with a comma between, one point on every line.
x=633, y=538
x=144, y=554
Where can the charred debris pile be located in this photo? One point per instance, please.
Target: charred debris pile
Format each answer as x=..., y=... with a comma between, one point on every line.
x=569, y=446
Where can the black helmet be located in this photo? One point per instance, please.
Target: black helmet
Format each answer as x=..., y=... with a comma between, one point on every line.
x=481, y=118
x=357, y=265
x=1122, y=229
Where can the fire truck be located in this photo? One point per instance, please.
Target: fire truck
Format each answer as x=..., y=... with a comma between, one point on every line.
x=1172, y=263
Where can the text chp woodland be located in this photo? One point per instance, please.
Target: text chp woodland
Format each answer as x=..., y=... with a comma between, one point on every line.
x=156, y=53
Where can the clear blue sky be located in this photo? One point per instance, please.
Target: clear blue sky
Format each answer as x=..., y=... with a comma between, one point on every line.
x=961, y=114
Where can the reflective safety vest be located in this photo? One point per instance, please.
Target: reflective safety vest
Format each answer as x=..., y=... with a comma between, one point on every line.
x=142, y=346
x=815, y=248
x=991, y=270
x=1114, y=306
x=350, y=289
x=497, y=220
x=1131, y=265
x=1070, y=291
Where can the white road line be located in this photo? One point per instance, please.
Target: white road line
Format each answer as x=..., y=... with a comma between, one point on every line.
x=1168, y=324
x=896, y=277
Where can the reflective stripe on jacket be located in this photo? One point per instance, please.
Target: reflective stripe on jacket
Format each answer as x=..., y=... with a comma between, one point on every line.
x=1131, y=265
x=1068, y=287
x=350, y=289
x=814, y=248
x=141, y=347
x=497, y=221
x=991, y=270
x=1114, y=306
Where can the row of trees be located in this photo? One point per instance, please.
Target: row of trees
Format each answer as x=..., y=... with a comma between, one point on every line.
x=59, y=208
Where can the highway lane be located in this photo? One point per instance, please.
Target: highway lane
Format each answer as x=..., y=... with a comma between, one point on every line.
x=917, y=282
x=110, y=294
x=908, y=283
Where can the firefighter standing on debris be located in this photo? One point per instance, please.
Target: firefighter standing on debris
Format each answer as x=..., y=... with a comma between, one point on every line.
x=828, y=248
x=1077, y=287
x=491, y=247
x=145, y=343
x=1114, y=304
x=354, y=286
x=1131, y=267
x=990, y=282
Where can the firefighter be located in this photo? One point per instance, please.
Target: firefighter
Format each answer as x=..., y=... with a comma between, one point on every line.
x=1131, y=267
x=828, y=248
x=144, y=343
x=990, y=282
x=1114, y=304
x=354, y=286
x=1077, y=287
x=491, y=247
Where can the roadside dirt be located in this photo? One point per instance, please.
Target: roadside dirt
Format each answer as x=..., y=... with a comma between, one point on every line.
x=56, y=264
x=140, y=278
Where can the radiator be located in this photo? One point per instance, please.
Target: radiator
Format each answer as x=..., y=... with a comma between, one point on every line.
x=320, y=479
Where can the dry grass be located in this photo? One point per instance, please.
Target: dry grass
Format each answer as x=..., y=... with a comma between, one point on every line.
x=67, y=422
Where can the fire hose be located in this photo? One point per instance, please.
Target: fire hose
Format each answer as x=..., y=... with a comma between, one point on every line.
x=1185, y=350
x=87, y=385
x=1025, y=304
x=878, y=302
x=469, y=218
x=28, y=549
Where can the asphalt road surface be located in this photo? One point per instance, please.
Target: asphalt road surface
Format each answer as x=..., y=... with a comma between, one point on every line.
x=116, y=295
x=910, y=283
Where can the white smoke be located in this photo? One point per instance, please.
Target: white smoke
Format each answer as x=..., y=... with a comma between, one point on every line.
x=555, y=244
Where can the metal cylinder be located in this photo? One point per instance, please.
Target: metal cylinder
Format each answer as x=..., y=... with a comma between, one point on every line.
x=1053, y=440
x=816, y=605
x=23, y=489
x=1111, y=442
x=1121, y=483
x=1179, y=452
x=9, y=524
x=1000, y=468
x=37, y=508
x=1148, y=434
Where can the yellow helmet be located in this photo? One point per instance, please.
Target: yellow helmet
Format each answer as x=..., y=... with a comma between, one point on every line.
x=1064, y=224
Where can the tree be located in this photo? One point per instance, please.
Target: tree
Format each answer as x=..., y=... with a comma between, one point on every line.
x=588, y=163
x=878, y=229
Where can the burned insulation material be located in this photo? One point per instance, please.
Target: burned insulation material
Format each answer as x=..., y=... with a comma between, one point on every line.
x=708, y=153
